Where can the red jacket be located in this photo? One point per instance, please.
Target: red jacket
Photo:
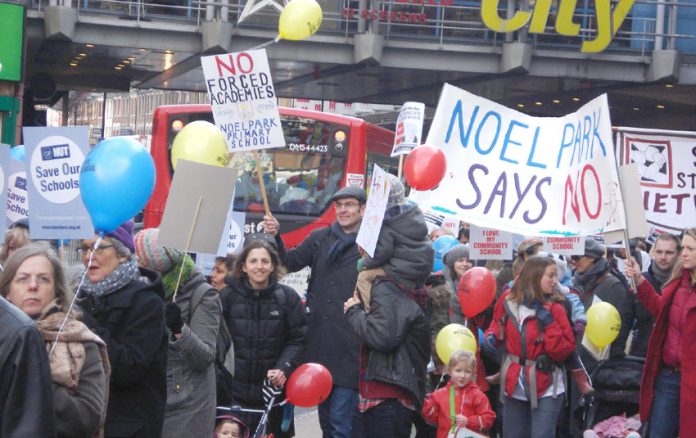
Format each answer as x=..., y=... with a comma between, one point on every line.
x=557, y=342
x=658, y=306
x=470, y=401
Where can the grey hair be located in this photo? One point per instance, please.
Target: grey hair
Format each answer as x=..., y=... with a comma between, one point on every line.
x=120, y=248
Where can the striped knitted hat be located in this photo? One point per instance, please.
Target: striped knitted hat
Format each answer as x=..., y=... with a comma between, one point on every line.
x=151, y=255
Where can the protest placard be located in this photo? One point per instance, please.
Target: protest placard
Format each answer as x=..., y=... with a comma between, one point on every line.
x=564, y=245
x=233, y=233
x=243, y=100
x=374, y=211
x=196, y=211
x=17, y=196
x=4, y=172
x=528, y=175
x=54, y=158
x=489, y=244
x=409, y=127
x=665, y=162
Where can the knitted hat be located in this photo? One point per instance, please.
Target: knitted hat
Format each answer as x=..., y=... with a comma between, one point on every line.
x=396, y=191
x=151, y=255
x=124, y=234
x=593, y=248
x=455, y=254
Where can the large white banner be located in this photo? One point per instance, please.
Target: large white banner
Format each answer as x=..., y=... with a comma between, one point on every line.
x=528, y=175
x=243, y=100
x=666, y=162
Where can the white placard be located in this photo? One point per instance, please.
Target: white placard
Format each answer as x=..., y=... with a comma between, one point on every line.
x=243, y=100
x=567, y=246
x=489, y=244
x=374, y=211
x=409, y=127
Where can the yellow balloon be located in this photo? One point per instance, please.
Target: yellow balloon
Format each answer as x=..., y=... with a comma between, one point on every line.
x=300, y=19
x=202, y=142
x=454, y=337
x=603, y=324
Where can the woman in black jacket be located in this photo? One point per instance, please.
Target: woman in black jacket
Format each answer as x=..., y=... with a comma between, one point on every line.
x=268, y=326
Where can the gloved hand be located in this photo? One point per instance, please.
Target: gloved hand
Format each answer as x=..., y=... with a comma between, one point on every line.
x=269, y=391
x=489, y=343
x=172, y=315
x=579, y=327
x=542, y=314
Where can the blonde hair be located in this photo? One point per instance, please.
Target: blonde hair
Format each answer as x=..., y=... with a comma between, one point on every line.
x=462, y=356
x=679, y=266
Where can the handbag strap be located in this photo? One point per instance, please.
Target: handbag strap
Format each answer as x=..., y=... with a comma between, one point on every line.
x=453, y=414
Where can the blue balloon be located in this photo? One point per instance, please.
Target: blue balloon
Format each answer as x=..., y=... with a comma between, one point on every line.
x=17, y=152
x=441, y=245
x=116, y=181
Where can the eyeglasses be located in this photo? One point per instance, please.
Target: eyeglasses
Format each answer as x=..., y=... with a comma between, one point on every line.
x=576, y=258
x=339, y=205
x=84, y=250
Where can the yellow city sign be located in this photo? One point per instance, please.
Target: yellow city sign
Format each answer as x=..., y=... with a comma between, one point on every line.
x=608, y=21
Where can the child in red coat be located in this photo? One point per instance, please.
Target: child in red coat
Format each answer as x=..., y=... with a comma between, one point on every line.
x=470, y=409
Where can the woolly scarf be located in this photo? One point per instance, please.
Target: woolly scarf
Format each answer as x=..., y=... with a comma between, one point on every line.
x=343, y=241
x=170, y=278
x=660, y=275
x=68, y=356
x=587, y=281
x=121, y=276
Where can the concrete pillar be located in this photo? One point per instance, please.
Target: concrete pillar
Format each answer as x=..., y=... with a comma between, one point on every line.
x=59, y=22
x=517, y=57
x=368, y=48
x=216, y=34
x=664, y=66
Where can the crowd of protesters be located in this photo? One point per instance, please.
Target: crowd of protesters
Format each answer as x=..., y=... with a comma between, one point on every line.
x=130, y=345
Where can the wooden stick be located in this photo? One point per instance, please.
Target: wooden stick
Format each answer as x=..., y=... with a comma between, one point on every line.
x=188, y=243
x=401, y=165
x=261, y=183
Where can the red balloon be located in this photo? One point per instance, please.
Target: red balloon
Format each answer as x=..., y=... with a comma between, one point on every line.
x=424, y=167
x=309, y=385
x=476, y=291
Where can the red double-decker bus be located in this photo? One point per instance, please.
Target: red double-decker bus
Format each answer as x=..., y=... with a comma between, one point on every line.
x=323, y=153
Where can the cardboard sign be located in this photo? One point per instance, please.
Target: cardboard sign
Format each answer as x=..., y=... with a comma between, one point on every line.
x=374, y=211
x=54, y=158
x=567, y=246
x=4, y=172
x=193, y=182
x=489, y=244
x=232, y=238
x=17, y=195
x=529, y=175
x=243, y=100
x=409, y=126
x=666, y=165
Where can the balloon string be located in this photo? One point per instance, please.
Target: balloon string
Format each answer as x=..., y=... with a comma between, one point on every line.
x=267, y=43
x=188, y=243
x=77, y=292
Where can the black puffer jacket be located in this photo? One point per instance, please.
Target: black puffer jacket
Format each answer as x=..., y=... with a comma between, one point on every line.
x=26, y=399
x=396, y=337
x=403, y=249
x=266, y=334
x=131, y=323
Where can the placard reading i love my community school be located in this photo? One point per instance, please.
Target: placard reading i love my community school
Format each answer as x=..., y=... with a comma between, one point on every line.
x=527, y=175
x=54, y=157
x=243, y=100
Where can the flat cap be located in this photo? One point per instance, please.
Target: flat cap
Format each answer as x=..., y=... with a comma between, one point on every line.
x=350, y=192
x=593, y=248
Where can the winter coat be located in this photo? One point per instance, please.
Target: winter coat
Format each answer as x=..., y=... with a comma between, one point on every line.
x=396, y=338
x=469, y=401
x=403, y=249
x=611, y=289
x=557, y=342
x=439, y=298
x=644, y=320
x=659, y=307
x=26, y=408
x=131, y=323
x=330, y=341
x=266, y=334
x=191, y=389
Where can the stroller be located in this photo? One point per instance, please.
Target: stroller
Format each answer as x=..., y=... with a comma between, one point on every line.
x=271, y=394
x=617, y=390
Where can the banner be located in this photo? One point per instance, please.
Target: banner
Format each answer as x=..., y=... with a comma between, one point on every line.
x=54, y=157
x=17, y=196
x=243, y=100
x=409, y=127
x=523, y=174
x=666, y=162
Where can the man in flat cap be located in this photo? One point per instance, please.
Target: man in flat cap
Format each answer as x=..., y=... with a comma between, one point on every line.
x=332, y=254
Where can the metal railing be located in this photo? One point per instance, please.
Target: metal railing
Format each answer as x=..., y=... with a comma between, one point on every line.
x=458, y=23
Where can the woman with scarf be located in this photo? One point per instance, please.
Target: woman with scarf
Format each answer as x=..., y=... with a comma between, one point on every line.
x=123, y=305
x=268, y=326
x=592, y=278
x=192, y=341
x=668, y=389
x=33, y=280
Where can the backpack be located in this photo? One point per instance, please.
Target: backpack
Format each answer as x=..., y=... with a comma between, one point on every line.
x=224, y=353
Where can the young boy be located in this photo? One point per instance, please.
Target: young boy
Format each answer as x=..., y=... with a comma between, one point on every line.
x=403, y=249
x=471, y=409
x=229, y=426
